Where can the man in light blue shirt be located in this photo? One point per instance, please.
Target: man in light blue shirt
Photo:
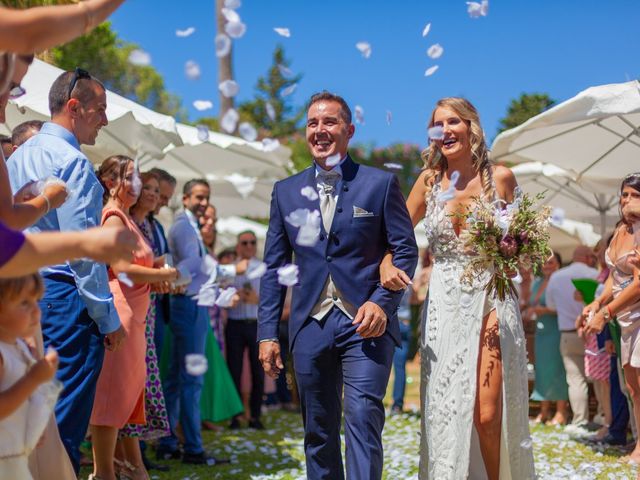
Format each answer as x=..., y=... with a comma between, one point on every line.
x=189, y=321
x=79, y=318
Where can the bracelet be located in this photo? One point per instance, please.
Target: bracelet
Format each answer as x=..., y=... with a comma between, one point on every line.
x=46, y=200
x=87, y=16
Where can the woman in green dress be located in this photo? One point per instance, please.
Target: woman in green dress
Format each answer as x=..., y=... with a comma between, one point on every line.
x=550, y=380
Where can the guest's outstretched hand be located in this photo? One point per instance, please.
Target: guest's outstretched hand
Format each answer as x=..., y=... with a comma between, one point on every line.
x=56, y=194
x=109, y=245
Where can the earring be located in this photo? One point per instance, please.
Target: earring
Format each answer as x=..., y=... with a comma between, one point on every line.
x=112, y=192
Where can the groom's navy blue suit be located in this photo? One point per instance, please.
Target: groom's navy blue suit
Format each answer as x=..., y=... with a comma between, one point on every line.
x=370, y=218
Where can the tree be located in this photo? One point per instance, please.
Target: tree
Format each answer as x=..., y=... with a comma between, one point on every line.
x=269, y=89
x=522, y=109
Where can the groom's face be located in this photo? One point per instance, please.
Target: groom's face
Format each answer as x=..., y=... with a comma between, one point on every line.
x=327, y=131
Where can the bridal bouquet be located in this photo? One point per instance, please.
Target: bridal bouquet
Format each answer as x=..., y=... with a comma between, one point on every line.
x=504, y=238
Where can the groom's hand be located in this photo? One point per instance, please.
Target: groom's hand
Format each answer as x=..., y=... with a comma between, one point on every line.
x=372, y=320
x=269, y=356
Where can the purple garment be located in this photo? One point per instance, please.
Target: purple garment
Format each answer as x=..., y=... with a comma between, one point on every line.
x=11, y=241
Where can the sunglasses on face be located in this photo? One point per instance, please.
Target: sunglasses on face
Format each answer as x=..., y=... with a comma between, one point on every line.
x=16, y=91
x=248, y=242
x=78, y=74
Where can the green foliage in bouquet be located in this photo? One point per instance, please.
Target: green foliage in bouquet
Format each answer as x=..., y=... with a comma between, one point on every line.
x=504, y=239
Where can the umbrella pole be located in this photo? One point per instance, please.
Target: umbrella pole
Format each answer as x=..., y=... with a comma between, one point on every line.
x=603, y=223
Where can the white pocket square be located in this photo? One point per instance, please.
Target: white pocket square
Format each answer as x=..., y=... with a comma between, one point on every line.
x=361, y=212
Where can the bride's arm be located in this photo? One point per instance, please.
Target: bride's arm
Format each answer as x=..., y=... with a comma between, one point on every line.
x=506, y=182
x=392, y=277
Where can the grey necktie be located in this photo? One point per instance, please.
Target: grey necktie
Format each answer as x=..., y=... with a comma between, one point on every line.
x=327, y=180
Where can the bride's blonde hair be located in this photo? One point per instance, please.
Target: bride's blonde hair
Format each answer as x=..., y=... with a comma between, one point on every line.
x=436, y=163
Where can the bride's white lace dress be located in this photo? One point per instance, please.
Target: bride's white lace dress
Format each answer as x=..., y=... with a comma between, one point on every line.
x=449, y=348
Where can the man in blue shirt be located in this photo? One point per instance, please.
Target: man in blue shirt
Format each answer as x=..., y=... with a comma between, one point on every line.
x=79, y=318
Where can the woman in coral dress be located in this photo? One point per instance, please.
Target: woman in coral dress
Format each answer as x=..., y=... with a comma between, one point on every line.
x=119, y=396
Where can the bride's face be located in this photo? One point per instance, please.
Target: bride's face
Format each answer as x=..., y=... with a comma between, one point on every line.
x=455, y=143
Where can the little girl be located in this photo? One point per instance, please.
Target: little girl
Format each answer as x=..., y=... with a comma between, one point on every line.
x=22, y=402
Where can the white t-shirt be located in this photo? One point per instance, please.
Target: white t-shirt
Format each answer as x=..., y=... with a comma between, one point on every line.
x=560, y=293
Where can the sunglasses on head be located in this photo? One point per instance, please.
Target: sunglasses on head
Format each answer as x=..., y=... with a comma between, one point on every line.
x=78, y=74
x=248, y=242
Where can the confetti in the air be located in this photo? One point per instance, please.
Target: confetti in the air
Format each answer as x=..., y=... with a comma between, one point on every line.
x=139, y=58
x=247, y=131
x=359, y=114
x=309, y=192
x=393, y=166
x=256, y=270
x=196, y=364
x=298, y=217
x=389, y=117
x=186, y=32
x=203, y=133
x=202, y=105
x=426, y=29
x=223, y=45
x=229, y=120
x=283, y=32
x=235, y=29
x=436, y=133
x=365, y=49
x=231, y=15
x=271, y=112
x=124, y=278
x=234, y=4
x=284, y=71
x=229, y=88
x=430, y=71
x=244, y=185
x=450, y=192
x=333, y=160
x=270, y=144
x=192, y=70
x=225, y=297
x=478, y=9
x=557, y=216
x=435, y=51
x=289, y=90
x=309, y=233
x=288, y=275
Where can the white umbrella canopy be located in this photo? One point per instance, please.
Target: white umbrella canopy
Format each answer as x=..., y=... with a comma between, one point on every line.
x=229, y=227
x=133, y=130
x=594, y=135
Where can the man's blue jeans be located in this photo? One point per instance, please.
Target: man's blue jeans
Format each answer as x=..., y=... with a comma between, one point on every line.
x=399, y=365
x=188, y=324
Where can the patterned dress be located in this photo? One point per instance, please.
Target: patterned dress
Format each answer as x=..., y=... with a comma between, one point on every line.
x=156, y=412
x=449, y=447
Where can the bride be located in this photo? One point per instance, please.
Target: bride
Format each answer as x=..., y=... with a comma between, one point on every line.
x=474, y=398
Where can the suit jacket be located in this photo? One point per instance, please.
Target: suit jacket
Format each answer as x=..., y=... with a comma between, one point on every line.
x=351, y=252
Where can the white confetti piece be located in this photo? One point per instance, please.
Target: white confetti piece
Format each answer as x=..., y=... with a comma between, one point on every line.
x=309, y=192
x=389, y=117
x=364, y=48
x=230, y=120
x=435, y=51
x=192, y=70
x=478, y=9
x=247, y=132
x=289, y=90
x=271, y=112
x=234, y=4
x=186, y=32
x=230, y=15
x=235, y=29
x=527, y=443
x=223, y=45
x=359, y=114
x=244, y=185
x=202, y=105
x=298, y=217
x=256, y=269
x=229, y=88
x=124, y=278
x=139, y=58
x=450, y=192
x=393, y=166
x=285, y=71
x=309, y=233
x=426, y=29
x=283, y=32
x=557, y=216
x=196, y=364
x=430, y=71
x=203, y=133
x=225, y=297
x=333, y=160
x=270, y=144
x=288, y=275
x=436, y=133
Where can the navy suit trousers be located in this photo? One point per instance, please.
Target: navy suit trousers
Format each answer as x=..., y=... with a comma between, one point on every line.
x=331, y=359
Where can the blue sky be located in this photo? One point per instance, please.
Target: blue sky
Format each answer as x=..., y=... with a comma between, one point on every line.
x=555, y=46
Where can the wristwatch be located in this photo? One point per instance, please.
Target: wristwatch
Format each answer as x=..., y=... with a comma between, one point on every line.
x=606, y=314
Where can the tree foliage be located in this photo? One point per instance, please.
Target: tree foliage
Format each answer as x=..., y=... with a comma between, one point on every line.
x=523, y=108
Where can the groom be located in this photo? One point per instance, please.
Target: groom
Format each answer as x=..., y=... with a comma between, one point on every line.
x=343, y=325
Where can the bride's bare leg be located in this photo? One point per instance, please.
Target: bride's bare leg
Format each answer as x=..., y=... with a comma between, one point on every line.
x=488, y=408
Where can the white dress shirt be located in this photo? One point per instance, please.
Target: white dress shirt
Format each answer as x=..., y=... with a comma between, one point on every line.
x=560, y=292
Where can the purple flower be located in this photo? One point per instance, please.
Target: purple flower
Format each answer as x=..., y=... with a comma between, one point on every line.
x=508, y=246
x=524, y=237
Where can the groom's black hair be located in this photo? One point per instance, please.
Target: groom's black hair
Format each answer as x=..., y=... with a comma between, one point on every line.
x=332, y=97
